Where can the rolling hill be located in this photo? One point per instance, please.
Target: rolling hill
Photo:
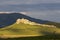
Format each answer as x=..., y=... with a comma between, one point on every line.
x=9, y=28
x=23, y=30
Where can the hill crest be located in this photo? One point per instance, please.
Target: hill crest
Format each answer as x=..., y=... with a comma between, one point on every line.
x=26, y=21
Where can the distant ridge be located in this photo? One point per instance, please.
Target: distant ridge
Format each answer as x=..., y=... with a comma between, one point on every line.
x=8, y=18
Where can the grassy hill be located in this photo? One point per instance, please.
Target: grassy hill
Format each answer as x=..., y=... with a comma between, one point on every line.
x=10, y=29
x=26, y=30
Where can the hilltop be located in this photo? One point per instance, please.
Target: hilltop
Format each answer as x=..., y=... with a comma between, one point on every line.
x=26, y=21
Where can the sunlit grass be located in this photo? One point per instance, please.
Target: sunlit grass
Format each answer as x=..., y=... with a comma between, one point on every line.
x=25, y=29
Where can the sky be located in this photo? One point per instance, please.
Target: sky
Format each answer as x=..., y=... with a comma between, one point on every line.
x=52, y=15
x=9, y=2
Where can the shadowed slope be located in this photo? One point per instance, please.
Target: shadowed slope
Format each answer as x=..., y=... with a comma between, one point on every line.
x=8, y=19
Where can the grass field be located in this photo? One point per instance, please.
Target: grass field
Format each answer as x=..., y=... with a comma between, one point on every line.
x=25, y=30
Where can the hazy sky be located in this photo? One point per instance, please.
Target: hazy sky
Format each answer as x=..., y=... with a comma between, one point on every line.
x=53, y=15
x=7, y=2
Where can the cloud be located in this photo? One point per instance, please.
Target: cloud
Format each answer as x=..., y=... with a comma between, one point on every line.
x=8, y=2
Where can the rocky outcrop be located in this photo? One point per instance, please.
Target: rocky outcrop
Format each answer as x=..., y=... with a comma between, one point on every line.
x=26, y=21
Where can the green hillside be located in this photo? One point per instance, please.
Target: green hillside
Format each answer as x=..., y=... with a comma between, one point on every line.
x=23, y=30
